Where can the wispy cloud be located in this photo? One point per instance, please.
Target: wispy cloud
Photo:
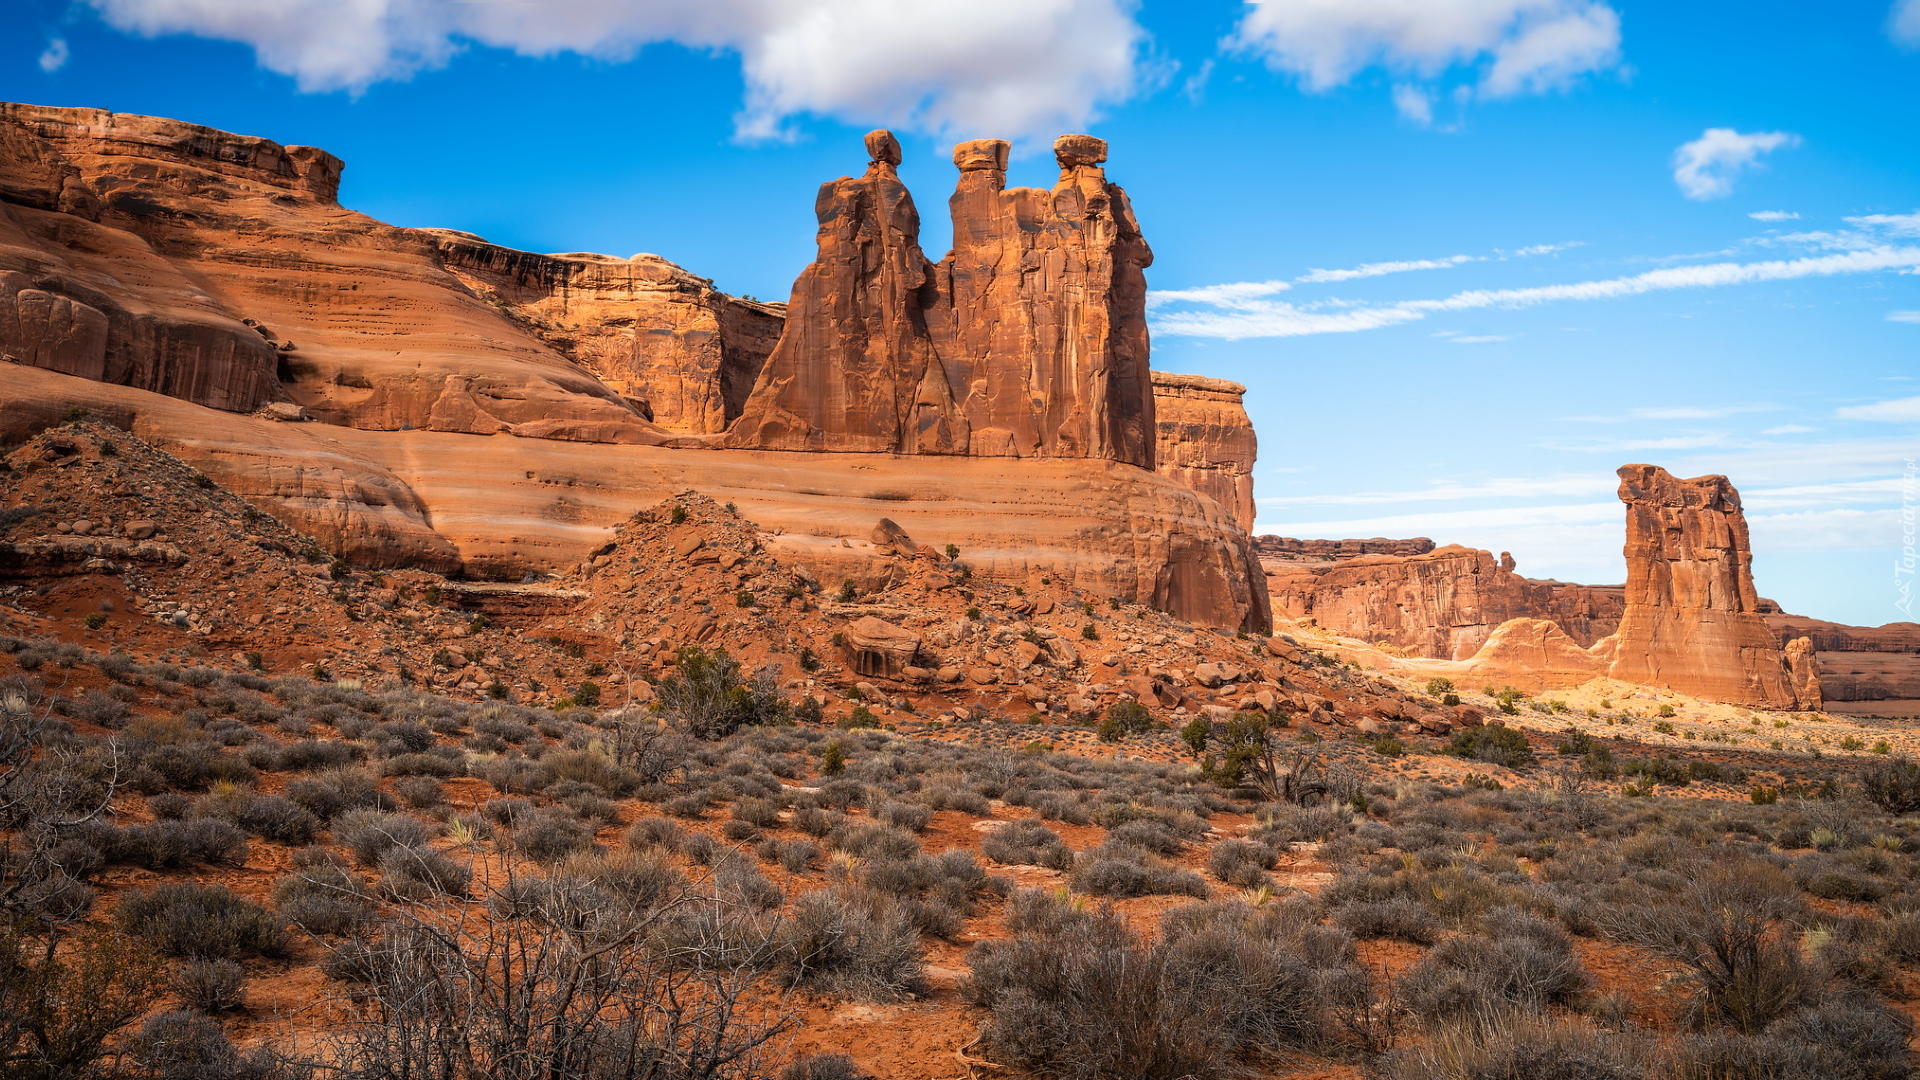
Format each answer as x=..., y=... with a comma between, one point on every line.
x=56, y=55
x=1696, y=412
x=1546, y=249
x=1478, y=339
x=1381, y=269
x=1774, y=215
x=1903, y=316
x=1705, y=168
x=1897, y=411
x=1250, y=317
x=1788, y=429
x=1903, y=24
x=1239, y=294
x=1413, y=103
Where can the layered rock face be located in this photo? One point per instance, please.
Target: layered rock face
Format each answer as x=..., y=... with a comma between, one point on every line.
x=491, y=413
x=1866, y=664
x=1040, y=318
x=1206, y=440
x=1443, y=603
x=855, y=369
x=1692, y=620
x=682, y=352
x=227, y=275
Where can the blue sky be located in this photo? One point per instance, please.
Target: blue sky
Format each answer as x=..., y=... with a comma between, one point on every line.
x=1469, y=256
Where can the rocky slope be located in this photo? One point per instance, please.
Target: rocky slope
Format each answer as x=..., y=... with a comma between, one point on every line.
x=493, y=413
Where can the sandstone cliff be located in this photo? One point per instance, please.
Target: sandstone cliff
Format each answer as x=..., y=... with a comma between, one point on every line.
x=1878, y=666
x=493, y=413
x=1206, y=440
x=1040, y=317
x=682, y=352
x=855, y=368
x=1692, y=621
x=1441, y=603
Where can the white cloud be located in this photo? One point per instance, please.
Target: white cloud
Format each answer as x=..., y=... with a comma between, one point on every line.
x=969, y=67
x=1897, y=411
x=1903, y=316
x=1774, y=215
x=1696, y=412
x=1414, y=103
x=1261, y=318
x=1519, y=46
x=1478, y=339
x=56, y=55
x=1546, y=249
x=1904, y=22
x=1239, y=294
x=1378, y=269
x=1898, y=224
x=1787, y=429
x=1705, y=167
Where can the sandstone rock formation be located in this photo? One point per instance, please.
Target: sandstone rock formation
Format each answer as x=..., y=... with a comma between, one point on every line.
x=486, y=412
x=855, y=368
x=1869, y=668
x=1206, y=440
x=683, y=352
x=1443, y=603
x=1692, y=621
x=1041, y=313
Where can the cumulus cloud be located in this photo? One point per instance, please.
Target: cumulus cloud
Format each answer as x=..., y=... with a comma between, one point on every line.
x=1251, y=316
x=1904, y=23
x=1897, y=411
x=1705, y=167
x=1516, y=46
x=1774, y=215
x=1000, y=67
x=56, y=55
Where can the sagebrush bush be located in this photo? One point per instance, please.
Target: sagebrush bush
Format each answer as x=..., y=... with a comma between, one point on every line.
x=859, y=946
x=421, y=873
x=1242, y=862
x=824, y=1067
x=1398, y=918
x=324, y=898
x=369, y=834
x=549, y=837
x=1027, y=842
x=210, y=986
x=203, y=922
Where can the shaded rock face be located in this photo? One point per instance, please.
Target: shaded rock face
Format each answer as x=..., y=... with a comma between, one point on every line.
x=1443, y=604
x=855, y=368
x=1857, y=663
x=683, y=352
x=1692, y=621
x=1041, y=315
x=1205, y=440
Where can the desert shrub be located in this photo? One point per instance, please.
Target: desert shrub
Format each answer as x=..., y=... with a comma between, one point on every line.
x=200, y=921
x=1892, y=784
x=210, y=986
x=591, y=767
x=1148, y=835
x=1494, y=744
x=1527, y=963
x=269, y=817
x=548, y=837
x=692, y=805
x=871, y=840
x=167, y=844
x=333, y=793
x=706, y=698
x=324, y=898
x=420, y=792
x=1730, y=929
x=793, y=856
x=1027, y=842
x=440, y=761
x=519, y=775
x=61, y=1001
x=1844, y=1039
x=1078, y=995
x=824, y=1067
x=1517, y=1046
x=182, y=1045
x=913, y=817
x=303, y=755
x=1058, y=806
x=420, y=873
x=510, y=812
x=654, y=832
x=369, y=834
x=957, y=798
x=1122, y=872
x=761, y=813
x=643, y=879
x=1241, y=862
x=856, y=945
x=1399, y=918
